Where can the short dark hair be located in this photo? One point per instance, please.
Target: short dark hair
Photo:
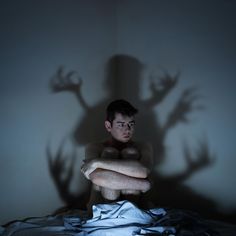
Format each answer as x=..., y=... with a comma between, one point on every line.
x=120, y=106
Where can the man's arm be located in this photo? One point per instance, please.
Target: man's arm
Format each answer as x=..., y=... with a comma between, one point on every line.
x=116, y=181
x=133, y=168
x=93, y=161
x=130, y=168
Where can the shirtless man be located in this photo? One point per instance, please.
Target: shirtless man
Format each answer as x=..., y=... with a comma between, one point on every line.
x=118, y=167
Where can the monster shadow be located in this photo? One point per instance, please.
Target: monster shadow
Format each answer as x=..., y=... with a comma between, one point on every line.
x=123, y=80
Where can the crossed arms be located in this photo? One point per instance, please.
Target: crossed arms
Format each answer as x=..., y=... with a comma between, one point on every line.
x=112, y=175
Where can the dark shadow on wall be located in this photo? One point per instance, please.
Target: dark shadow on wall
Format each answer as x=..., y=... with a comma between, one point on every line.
x=123, y=80
x=61, y=169
x=172, y=192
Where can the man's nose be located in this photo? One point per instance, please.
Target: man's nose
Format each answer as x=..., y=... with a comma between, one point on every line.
x=128, y=127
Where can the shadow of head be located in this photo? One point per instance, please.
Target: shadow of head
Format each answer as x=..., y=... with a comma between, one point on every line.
x=123, y=77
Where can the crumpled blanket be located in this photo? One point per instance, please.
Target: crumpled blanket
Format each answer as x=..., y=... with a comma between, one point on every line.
x=121, y=218
x=118, y=218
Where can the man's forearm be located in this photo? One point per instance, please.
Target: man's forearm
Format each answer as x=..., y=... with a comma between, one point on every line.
x=117, y=181
x=130, y=168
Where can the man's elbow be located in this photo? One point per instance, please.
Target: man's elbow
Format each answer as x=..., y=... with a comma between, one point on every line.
x=96, y=178
x=146, y=187
x=144, y=173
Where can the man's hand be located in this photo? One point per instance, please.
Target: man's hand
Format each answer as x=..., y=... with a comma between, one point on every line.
x=88, y=167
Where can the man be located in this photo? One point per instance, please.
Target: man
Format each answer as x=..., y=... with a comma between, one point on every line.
x=118, y=167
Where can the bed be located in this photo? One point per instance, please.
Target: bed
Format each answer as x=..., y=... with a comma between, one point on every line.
x=119, y=218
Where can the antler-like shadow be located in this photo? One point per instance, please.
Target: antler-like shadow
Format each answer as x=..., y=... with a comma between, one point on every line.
x=150, y=128
x=68, y=82
x=160, y=87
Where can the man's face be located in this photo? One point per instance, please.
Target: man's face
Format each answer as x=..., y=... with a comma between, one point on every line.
x=122, y=127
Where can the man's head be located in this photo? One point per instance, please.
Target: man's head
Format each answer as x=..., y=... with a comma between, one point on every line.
x=120, y=120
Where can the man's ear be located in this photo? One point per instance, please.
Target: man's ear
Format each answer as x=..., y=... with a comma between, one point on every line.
x=108, y=125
